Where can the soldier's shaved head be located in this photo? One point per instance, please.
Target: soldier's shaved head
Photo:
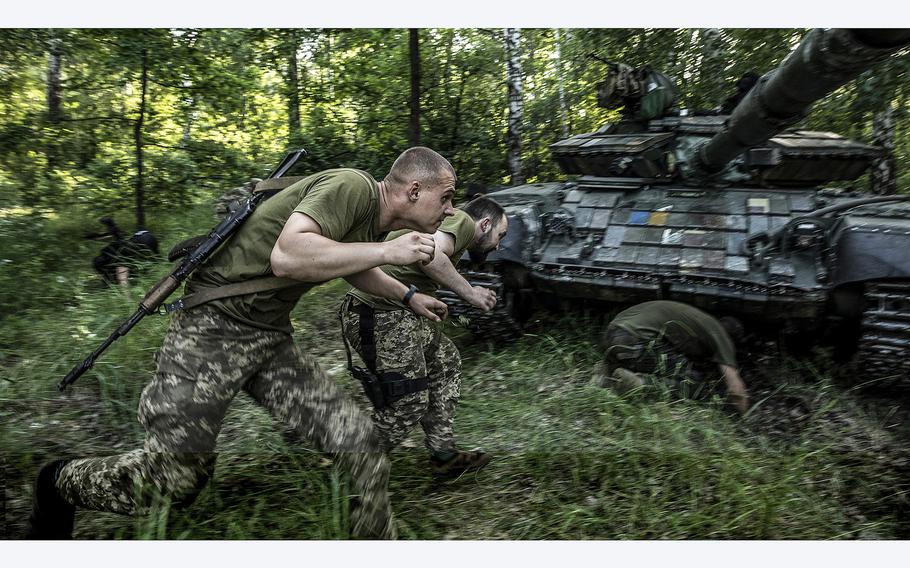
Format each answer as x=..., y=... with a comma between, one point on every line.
x=422, y=165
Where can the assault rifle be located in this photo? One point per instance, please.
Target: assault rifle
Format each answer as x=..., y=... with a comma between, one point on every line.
x=192, y=259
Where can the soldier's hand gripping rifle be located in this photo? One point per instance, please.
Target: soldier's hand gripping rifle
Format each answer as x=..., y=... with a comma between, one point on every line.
x=167, y=285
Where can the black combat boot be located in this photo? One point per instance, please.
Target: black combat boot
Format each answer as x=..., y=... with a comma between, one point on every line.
x=52, y=517
x=447, y=465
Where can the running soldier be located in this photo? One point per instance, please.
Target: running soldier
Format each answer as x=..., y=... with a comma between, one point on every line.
x=329, y=225
x=416, y=368
x=676, y=342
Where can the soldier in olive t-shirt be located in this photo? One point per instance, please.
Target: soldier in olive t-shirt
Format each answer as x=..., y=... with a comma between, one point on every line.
x=328, y=225
x=345, y=204
x=414, y=354
x=667, y=338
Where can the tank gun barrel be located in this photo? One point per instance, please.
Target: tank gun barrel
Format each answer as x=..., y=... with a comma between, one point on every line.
x=825, y=60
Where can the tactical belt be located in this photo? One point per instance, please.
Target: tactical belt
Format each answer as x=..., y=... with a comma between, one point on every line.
x=383, y=388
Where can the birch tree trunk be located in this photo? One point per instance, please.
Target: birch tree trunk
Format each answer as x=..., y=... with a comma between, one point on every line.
x=686, y=67
x=137, y=136
x=189, y=104
x=710, y=70
x=188, y=121
x=414, y=100
x=513, y=78
x=563, y=113
x=293, y=87
x=883, y=175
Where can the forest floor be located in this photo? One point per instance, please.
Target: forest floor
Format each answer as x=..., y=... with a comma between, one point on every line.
x=813, y=459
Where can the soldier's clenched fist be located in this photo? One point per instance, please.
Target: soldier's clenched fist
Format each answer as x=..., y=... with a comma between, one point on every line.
x=410, y=248
x=483, y=298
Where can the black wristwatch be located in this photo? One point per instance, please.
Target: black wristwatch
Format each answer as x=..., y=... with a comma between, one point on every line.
x=410, y=294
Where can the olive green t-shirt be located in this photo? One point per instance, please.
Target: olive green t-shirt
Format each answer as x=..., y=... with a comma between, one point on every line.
x=695, y=333
x=345, y=204
x=460, y=226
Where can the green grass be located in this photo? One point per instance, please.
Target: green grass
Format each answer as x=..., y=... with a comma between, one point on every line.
x=812, y=460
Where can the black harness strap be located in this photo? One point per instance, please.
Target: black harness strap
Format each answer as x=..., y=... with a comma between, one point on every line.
x=395, y=385
x=367, y=337
x=392, y=384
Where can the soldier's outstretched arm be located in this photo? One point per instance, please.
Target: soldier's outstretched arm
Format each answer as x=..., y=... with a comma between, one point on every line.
x=378, y=283
x=736, y=389
x=442, y=271
x=303, y=253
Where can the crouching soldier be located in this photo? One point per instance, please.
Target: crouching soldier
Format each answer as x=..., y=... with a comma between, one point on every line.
x=413, y=370
x=114, y=261
x=676, y=342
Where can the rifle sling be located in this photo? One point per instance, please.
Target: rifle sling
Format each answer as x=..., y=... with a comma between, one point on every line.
x=276, y=183
x=228, y=290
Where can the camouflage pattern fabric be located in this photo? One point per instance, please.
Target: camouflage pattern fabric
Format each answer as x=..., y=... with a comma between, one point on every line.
x=233, y=198
x=414, y=347
x=205, y=360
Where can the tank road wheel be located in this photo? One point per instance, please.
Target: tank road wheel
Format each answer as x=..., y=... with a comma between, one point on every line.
x=882, y=352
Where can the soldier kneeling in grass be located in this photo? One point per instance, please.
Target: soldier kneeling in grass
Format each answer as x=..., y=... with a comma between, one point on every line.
x=413, y=370
x=677, y=343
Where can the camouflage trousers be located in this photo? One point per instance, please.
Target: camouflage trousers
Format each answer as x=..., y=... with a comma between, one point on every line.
x=205, y=360
x=415, y=347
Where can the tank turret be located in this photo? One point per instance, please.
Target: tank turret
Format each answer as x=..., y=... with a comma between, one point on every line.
x=658, y=143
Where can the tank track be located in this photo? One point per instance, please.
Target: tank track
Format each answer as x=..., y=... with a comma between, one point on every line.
x=882, y=352
x=499, y=324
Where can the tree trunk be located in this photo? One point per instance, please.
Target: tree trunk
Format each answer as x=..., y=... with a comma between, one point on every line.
x=54, y=96
x=189, y=102
x=293, y=87
x=675, y=67
x=710, y=72
x=883, y=174
x=456, y=114
x=686, y=68
x=513, y=78
x=447, y=68
x=414, y=101
x=137, y=135
x=563, y=113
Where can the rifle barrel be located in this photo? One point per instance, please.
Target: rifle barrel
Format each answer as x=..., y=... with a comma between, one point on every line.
x=89, y=361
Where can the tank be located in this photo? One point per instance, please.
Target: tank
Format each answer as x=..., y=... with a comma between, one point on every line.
x=728, y=212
